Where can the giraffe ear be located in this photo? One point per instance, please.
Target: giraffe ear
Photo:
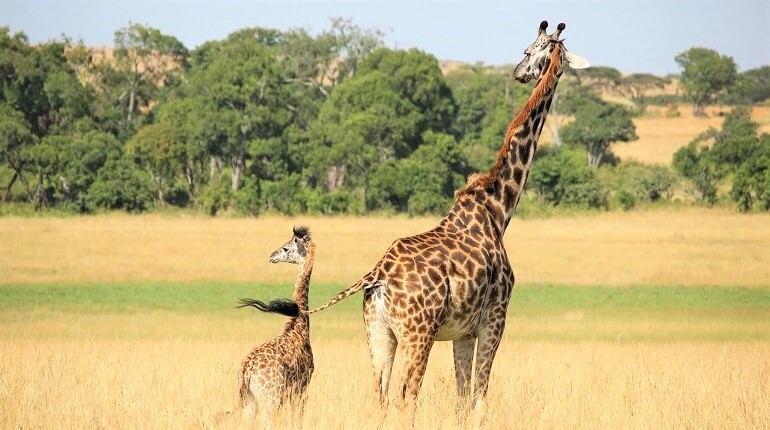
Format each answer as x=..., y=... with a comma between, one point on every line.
x=576, y=61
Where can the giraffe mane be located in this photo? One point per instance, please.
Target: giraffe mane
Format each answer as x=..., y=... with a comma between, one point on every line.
x=302, y=232
x=279, y=306
x=482, y=181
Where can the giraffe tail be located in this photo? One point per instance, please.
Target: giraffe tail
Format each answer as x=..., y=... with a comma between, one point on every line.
x=278, y=306
x=365, y=282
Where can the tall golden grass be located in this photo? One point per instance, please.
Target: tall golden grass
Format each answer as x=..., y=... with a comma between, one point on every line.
x=164, y=369
x=661, y=136
x=188, y=383
x=688, y=247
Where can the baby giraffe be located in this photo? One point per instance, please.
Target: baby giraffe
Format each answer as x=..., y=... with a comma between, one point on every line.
x=279, y=370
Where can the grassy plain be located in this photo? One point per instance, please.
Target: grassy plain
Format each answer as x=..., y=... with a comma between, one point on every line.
x=648, y=319
x=661, y=136
x=687, y=247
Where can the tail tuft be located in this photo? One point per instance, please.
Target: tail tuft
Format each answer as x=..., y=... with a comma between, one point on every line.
x=277, y=306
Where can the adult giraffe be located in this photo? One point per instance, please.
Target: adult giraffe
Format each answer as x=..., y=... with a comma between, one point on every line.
x=454, y=282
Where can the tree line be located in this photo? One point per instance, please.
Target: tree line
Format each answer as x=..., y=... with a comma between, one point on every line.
x=288, y=122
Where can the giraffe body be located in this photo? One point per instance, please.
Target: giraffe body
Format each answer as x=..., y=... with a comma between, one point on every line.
x=280, y=370
x=454, y=282
x=450, y=283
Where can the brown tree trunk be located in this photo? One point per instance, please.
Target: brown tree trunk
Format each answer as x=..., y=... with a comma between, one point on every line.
x=237, y=170
x=7, y=193
x=335, y=177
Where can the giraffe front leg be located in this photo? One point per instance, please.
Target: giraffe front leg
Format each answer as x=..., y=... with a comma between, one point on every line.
x=490, y=334
x=462, y=350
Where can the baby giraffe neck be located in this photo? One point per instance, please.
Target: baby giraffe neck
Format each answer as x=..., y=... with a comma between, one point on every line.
x=302, y=284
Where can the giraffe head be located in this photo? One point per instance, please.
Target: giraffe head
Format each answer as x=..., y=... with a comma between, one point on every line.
x=537, y=56
x=296, y=249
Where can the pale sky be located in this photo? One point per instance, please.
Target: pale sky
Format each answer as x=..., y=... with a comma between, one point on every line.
x=631, y=36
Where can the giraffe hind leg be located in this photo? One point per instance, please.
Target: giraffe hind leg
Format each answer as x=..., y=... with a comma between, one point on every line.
x=248, y=401
x=462, y=350
x=382, y=349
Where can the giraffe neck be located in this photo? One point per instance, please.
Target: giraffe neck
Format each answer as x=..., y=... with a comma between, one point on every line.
x=514, y=159
x=302, y=284
x=298, y=327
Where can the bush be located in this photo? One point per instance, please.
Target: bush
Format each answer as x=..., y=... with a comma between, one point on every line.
x=334, y=202
x=642, y=183
x=247, y=199
x=281, y=195
x=178, y=195
x=120, y=185
x=626, y=200
x=589, y=195
x=565, y=178
x=217, y=194
x=425, y=202
x=654, y=183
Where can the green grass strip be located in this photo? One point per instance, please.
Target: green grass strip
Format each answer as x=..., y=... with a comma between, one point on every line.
x=222, y=297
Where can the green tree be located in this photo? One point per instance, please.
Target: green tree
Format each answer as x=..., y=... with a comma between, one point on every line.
x=569, y=98
x=15, y=139
x=186, y=115
x=736, y=142
x=734, y=150
x=562, y=178
x=596, y=126
x=363, y=122
x=120, y=185
x=751, y=86
x=598, y=77
x=334, y=55
x=752, y=179
x=705, y=74
x=41, y=97
x=415, y=75
x=648, y=183
x=83, y=156
x=486, y=99
x=636, y=85
x=692, y=162
x=160, y=149
x=378, y=115
x=240, y=82
x=147, y=58
x=422, y=183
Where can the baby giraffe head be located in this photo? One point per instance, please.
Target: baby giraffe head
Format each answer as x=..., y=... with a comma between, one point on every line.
x=296, y=249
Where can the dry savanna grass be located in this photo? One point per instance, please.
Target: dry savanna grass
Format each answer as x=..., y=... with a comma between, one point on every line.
x=568, y=366
x=188, y=383
x=688, y=247
x=660, y=136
